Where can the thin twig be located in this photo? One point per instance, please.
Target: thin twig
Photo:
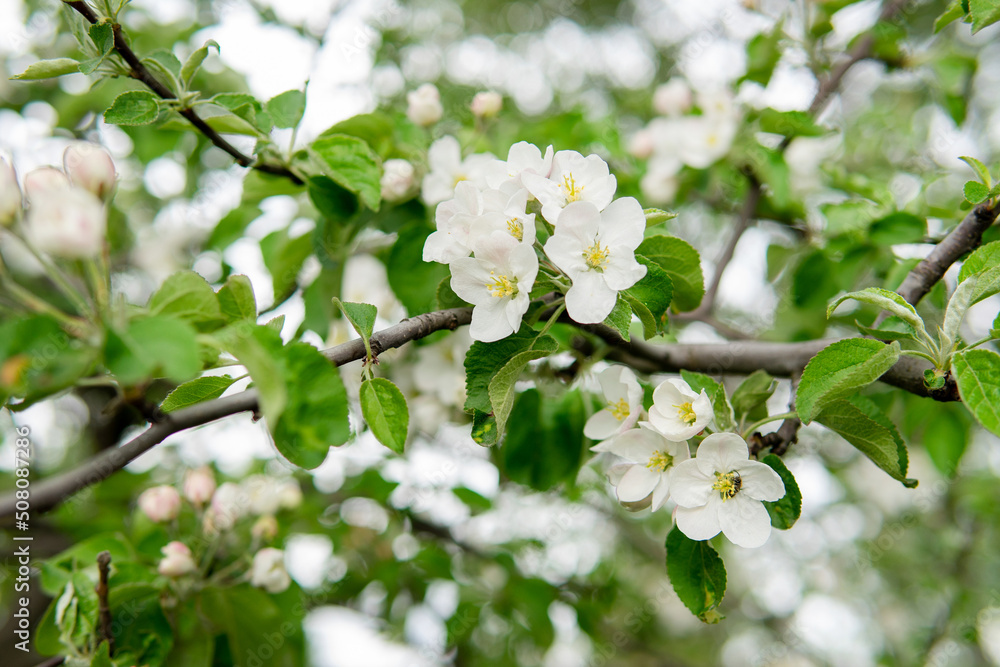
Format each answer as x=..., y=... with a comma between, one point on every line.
x=104, y=631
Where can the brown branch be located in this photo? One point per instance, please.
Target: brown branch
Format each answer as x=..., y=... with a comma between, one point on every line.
x=140, y=72
x=787, y=434
x=104, y=631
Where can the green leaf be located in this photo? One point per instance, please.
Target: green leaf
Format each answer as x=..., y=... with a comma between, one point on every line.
x=102, y=657
x=977, y=373
x=983, y=13
x=484, y=360
x=650, y=298
x=975, y=192
x=187, y=296
x=899, y=227
x=484, y=429
x=46, y=69
x=790, y=123
x=360, y=315
x=945, y=436
x=752, y=393
x=249, y=620
x=763, y=54
x=334, y=202
x=859, y=421
x=196, y=391
x=384, y=409
x=194, y=61
x=352, y=164
x=981, y=171
x=135, y=107
x=682, y=265
x=655, y=216
x=413, y=280
x=259, y=349
x=716, y=392
x=284, y=257
x=841, y=369
x=952, y=13
x=153, y=347
x=446, y=297
x=545, y=444
x=501, y=386
x=885, y=300
x=969, y=292
x=983, y=258
x=620, y=317
x=287, y=108
x=697, y=574
x=892, y=328
x=38, y=358
x=786, y=510
x=236, y=300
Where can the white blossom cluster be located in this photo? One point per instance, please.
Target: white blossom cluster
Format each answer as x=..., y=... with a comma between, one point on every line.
x=489, y=211
x=679, y=137
x=720, y=489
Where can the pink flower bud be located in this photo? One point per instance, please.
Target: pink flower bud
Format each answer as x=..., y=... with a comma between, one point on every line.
x=229, y=504
x=672, y=98
x=199, y=485
x=160, y=503
x=486, y=104
x=41, y=182
x=265, y=528
x=70, y=223
x=177, y=560
x=10, y=194
x=268, y=570
x=90, y=167
x=424, y=105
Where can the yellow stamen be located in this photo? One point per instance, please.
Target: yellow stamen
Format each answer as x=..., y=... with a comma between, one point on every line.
x=728, y=484
x=686, y=412
x=573, y=191
x=619, y=410
x=597, y=256
x=515, y=228
x=660, y=461
x=502, y=286
x=458, y=179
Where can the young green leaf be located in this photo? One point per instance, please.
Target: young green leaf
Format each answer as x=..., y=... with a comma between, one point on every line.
x=981, y=171
x=790, y=123
x=46, y=69
x=135, y=107
x=196, y=391
x=545, y=444
x=484, y=360
x=620, y=317
x=885, y=300
x=975, y=192
x=360, y=315
x=841, y=369
x=859, y=421
x=969, y=292
x=384, y=408
x=892, y=328
x=682, y=265
x=259, y=349
x=898, y=227
x=977, y=373
x=655, y=216
x=501, y=387
x=188, y=296
x=984, y=257
x=284, y=257
x=236, y=300
x=351, y=163
x=484, y=429
x=697, y=574
x=650, y=298
x=194, y=61
x=287, y=108
x=753, y=392
x=786, y=510
x=952, y=13
x=983, y=13
x=152, y=347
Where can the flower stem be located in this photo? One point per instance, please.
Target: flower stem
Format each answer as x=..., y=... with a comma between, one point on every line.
x=773, y=418
x=552, y=320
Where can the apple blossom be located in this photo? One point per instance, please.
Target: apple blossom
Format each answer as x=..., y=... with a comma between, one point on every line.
x=522, y=158
x=229, y=504
x=160, y=503
x=268, y=570
x=678, y=413
x=424, y=105
x=650, y=458
x=660, y=184
x=72, y=225
x=497, y=281
x=574, y=178
x=454, y=219
x=504, y=211
x=89, y=166
x=448, y=169
x=177, y=560
x=397, y=180
x=597, y=252
x=199, y=485
x=721, y=489
x=486, y=104
x=10, y=194
x=624, y=399
x=39, y=183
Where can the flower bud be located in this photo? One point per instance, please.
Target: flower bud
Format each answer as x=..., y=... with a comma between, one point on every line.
x=268, y=570
x=424, y=105
x=71, y=224
x=397, y=180
x=177, y=560
x=486, y=104
x=199, y=485
x=228, y=505
x=10, y=194
x=160, y=503
x=641, y=145
x=265, y=528
x=39, y=183
x=90, y=167
x=672, y=98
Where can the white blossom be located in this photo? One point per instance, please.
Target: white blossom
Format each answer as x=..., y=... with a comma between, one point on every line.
x=71, y=225
x=199, y=485
x=424, y=105
x=522, y=158
x=504, y=210
x=229, y=503
x=454, y=219
x=623, y=396
x=268, y=570
x=659, y=184
x=397, y=180
x=486, y=104
x=641, y=144
x=649, y=460
x=678, y=413
x=10, y=194
x=89, y=166
x=177, y=560
x=597, y=252
x=497, y=280
x=160, y=503
x=448, y=169
x=721, y=490
x=672, y=98
x=574, y=178
x=42, y=182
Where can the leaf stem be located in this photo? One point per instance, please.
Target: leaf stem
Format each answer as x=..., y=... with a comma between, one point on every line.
x=773, y=418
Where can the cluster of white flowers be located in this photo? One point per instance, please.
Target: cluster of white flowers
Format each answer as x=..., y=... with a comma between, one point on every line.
x=486, y=231
x=720, y=489
x=677, y=137
x=66, y=215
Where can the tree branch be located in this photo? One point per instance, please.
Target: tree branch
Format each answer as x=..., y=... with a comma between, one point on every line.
x=104, y=630
x=140, y=72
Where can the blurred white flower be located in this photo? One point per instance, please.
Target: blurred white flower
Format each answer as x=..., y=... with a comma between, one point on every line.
x=289, y=494
x=440, y=369
x=623, y=396
x=597, y=252
x=521, y=158
x=486, y=104
x=397, y=180
x=672, y=98
x=265, y=528
x=42, y=182
x=448, y=169
x=678, y=413
x=641, y=144
x=176, y=561
x=268, y=570
x=229, y=503
x=199, y=485
x=10, y=194
x=160, y=503
x=650, y=459
x=497, y=281
x=90, y=167
x=71, y=224
x=659, y=184
x=424, y=105
x=721, y=489
x=574, y=178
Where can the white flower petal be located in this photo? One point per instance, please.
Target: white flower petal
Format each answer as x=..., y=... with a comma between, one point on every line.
x=637, y=483
x=689, y=486
x=601, y=425
x=589, y=300
x=760, y=481
x=637, y=445
x=661, y=493
x=624, y=223
x=723, y=451
x=744, y=521
x=698, y=523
